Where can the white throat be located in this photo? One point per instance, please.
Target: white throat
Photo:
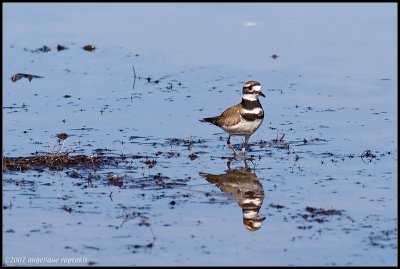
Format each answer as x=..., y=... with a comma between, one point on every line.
x=250, y=97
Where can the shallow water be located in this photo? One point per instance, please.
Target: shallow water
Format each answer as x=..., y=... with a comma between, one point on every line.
x=332, y=92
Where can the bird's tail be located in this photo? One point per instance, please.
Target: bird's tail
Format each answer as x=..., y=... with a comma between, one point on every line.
x=211, y=120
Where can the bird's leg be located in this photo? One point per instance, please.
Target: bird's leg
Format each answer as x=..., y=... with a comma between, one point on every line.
x=245, y=164
x=232, y=148
x=246, y=140
x=228, y=163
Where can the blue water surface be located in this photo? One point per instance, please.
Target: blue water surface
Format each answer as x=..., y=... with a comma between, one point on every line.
x=332, y=93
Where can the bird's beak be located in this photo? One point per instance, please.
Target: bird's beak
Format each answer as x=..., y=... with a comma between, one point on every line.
x=260, y=93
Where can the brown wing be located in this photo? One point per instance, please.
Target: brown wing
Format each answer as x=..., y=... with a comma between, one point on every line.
x=230, y=117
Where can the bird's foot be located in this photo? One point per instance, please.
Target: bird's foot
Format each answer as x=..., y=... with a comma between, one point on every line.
x=228, y=163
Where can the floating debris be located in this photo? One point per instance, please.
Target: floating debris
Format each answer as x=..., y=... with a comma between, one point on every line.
x=18, y=76
x=319, y=214
x=188, y=142
x=89, y=48
x=321, y=211
x=277, y=206
x=278, y=140
x=274, y=56
x=62, y=136
x=44, y=49
x=61, y=47
x=67, y=208
x=115, y=180
x=23, y=106
x=73, y=174
x=55, y=161
x=368, y=155
x=193, y=156
x=150, y=163
x=383, y=239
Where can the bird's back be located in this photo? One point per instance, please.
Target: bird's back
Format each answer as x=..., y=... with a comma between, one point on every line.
x=229, y=117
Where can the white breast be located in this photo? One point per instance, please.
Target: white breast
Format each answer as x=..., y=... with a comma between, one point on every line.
x=243, y=127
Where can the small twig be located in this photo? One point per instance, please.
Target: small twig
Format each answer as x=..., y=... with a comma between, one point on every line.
x=110, y=195
x=67, y=151
x=251, y=160
x=134, y=80
x=134, y=77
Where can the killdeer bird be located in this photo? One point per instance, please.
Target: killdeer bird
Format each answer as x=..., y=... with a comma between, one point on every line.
x=242, y=119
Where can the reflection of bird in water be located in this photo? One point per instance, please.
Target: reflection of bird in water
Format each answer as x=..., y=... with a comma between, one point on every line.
x=247, y=190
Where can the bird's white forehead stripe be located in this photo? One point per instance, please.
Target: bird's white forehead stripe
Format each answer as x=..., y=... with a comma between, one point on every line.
x=257, y=88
